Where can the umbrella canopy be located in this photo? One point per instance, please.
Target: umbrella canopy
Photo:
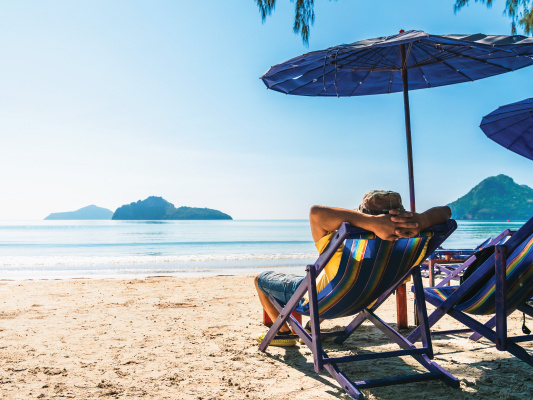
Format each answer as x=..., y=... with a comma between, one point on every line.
x=375, y=66
x=407, y=61
x=512, y=127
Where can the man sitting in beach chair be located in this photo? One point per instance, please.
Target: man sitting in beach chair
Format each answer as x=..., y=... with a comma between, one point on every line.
x=381, y=212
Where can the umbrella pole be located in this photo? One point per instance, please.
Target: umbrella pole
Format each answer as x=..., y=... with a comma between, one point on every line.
x=408, y=128
x=401, y=292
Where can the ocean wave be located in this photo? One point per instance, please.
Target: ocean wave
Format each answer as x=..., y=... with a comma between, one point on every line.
x=148, y=243
x=76, y=261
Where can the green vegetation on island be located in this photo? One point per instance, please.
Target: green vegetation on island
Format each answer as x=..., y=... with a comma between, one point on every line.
x=495, y=198
x=89, y=212
x=157, y=208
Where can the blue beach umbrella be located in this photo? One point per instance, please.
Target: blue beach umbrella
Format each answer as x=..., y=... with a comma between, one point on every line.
x=408, y=61
x=512, y=127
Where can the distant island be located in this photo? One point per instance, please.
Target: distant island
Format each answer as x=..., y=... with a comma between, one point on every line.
x=157, y=208
x=89, y=212
x=495, y=198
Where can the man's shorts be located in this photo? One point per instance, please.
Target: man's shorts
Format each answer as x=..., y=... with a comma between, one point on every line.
x=281, y=286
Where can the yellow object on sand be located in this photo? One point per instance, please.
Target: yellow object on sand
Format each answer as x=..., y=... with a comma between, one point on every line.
x=277, y=342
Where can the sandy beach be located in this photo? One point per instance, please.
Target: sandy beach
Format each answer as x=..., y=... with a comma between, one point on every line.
x=175, y=338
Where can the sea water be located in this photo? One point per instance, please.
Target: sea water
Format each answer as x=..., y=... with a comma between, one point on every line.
x=125, y=249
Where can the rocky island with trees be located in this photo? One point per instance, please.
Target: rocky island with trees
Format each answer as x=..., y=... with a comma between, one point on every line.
x=495, y=198
x=157, y=208
x=91, y=212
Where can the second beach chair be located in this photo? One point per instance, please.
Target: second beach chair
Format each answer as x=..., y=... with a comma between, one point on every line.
x=370, y=270
x=499, y=286
x=455, y=272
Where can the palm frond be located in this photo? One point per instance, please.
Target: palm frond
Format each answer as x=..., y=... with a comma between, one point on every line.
x=520, y=12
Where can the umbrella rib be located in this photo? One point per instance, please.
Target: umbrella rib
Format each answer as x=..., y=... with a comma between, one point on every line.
x=347, y=72
x=408, y=53
x=308, y=83
x=326, y=56
x=421, y=71
x=289, y=64
x=299, y=87
x=289, y=92
x=354, y=56
x=503, y=116
x=289, y=68
x=508, y=126
x=459, y=54
x=481, y=60
x=502, y=110
x=392, y=72
x=383, y=57
x=307, y=72
x=446, y=64
x=336, y=69
x=324, y=70
x=514, y=141
x=327, y=87
x=360, y=83
x=336, y=76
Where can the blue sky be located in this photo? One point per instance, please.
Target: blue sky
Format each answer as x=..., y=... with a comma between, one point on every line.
x=110, y=102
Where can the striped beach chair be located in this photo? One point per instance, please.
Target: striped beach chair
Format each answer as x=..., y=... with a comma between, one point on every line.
x=454, y=272
x=501, y=285
x=370, y=271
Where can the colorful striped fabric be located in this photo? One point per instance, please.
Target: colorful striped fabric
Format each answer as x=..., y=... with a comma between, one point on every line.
x=369, y=266
x=519, y=284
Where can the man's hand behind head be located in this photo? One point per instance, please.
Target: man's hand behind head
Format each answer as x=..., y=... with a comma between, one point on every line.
x=407, y=224
x=384, y=228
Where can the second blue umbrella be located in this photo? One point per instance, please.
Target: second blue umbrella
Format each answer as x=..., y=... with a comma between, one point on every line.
x=512, y=127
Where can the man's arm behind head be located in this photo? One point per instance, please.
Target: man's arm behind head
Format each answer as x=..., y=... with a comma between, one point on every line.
x=433, y=216
x=326, y=219
x=390, y=226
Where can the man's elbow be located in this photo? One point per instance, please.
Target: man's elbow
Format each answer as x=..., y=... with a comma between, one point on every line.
x=314, y=210
x=447, y=212
x=314, y=213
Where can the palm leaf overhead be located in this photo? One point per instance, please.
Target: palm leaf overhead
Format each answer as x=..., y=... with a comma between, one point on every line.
x=304, y=15
x=520, y=12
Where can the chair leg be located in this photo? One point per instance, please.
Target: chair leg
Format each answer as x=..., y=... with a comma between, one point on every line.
x=316, y=345
x=344, y=381
x=360, y=318
x=422, y=312
x=491, y=323
x=423, y=356
x=415, y=313
x=500, y=297
x=519, y=352
x=432, y=320
x=352, y=326
x=489, y=334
